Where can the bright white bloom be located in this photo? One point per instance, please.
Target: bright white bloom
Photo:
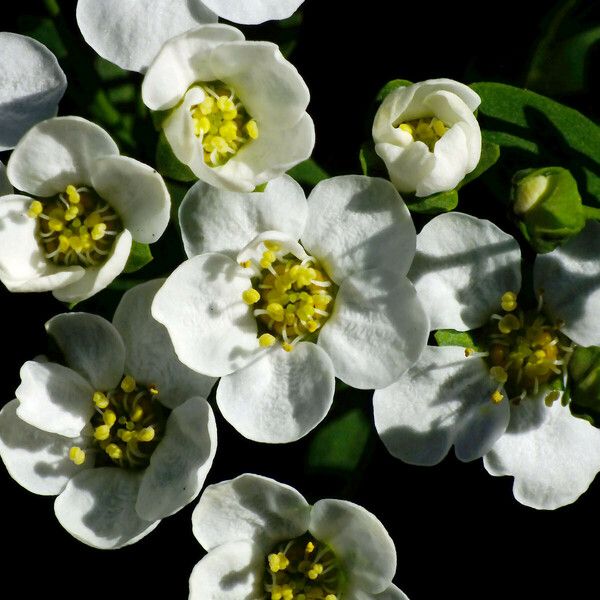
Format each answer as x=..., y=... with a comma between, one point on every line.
x=73, y=234
x=264, y=541
x=130, y=33
x=279, y=319
x=31, y=86
x=502, y=401
x=121, y=452
x=236, y=109
x=427, y=135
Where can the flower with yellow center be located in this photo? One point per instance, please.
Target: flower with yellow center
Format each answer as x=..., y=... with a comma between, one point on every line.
x=86, y=204
x=104, y=432
x=278, y=319
x=287, y=549
x=233, y=111
x=505, y=396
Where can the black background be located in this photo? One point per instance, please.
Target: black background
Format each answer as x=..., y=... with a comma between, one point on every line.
x=458, y=531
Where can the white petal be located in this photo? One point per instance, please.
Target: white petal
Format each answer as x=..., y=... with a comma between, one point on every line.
x=213, y=331
x=57, y=153
x=359, y=540
x=280, y=397
x=5, y=187
x=570, y=279
x=249, y=507
x=392, y=593
x=462, y=267
x=137, y=193
x=182, y=61
x=358, y=223
x=54, y=398
x=407, y=166
x=37, y=460
x=444, y=399
x=268, y=85
x=252, y=12
x=233, y=571
x=254, y=249
x=181, y=461
x=98, y=508
x=214, y=220
x=552, y=455
x=91, y=346
x=97, y=278
x=32, y=84
x=376, y=331
x=150, y=356
x=23, y=266
x=130, y=33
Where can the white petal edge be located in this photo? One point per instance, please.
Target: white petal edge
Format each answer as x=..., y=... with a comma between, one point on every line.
x=253, y=12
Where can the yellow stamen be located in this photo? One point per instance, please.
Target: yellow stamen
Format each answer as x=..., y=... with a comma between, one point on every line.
x=100, y=400
x=266, y=340
x=146, y=434
x=509, y=301
x=73, y=194
x=77, y=455
x=109, y=417
x=128, y=384
x=102, y=432
x=251, y=296
x=114, y=451
x=35, y=209
x=497, y=397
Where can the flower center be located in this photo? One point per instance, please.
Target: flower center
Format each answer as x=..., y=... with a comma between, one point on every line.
x=75, y=227
x=221, y=123
x=428, y=130
x=128, y=424
x=304, y=569
x=291, y=297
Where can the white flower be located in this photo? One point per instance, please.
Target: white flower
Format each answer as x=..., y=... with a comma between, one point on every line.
x=237, y=109
x=31, y=86
x=87, y=204
x=265, y=541
x=348, y=308
x=502, y=402
x=130, y=33
x=121, y=452
x=427, y=135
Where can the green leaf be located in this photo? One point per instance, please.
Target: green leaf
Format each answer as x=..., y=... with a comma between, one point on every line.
x=139, y=256
x=370, y=163
x=584, y=381
x=390, y=86
x=340, y=444
x=44, y=30
x=490, y=153
x=168, y=165
x=308, y=173
x=433, y=205
x=451, y=337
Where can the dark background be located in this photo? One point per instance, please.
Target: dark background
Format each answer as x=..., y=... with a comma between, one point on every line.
x=458, y=531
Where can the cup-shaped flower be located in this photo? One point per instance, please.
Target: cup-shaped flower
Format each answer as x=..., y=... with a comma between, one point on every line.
x=279, y=319
x=32, y=84
x=235, y=111
x=73, y=232
x=427, y=135
x=265, y=541
x=506, y=397
x=122, y=434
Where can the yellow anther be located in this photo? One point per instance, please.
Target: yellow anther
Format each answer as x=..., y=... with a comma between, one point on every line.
x=305, y=312
x=100, y=400
x=315, y=571
x=128, y=384
x=269, y=256
x=499, y=374
x=508, y=323
x=275, y=311
x=137, y=414
x=273, y=246
x=109, y=417
x=246, y=264
x=497, y=397
x=266, y=340
x=509, y=301
x=207, y=105
x=287, y=347
x=92, y=219
x=309, y=547
x=125, y=435
x=73, y=194
x=114, y=451
x=312, y=326
x=98, y=231
x=251, y=296
x=153, y=390
x=76, y=243
x=77, y=455
x=228, y=130
x=551, y=398
x=321, y=301
x=469, y=352
x=35, y=209
x=63, y=243
x=252, y=129
x=225, y=104
x=55, y=225
x=229, y=115
x=331, y=597
x=71, y=213
x=220, y=144
x=201, y=126
x=102, y=432
x=146, y=434
x=438, y=127
x=278, y=562
x=406, y=127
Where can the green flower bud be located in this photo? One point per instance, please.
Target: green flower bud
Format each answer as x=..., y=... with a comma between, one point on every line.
x=547, y=206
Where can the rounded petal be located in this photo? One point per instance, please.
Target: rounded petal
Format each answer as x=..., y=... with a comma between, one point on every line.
x=552, y=455
x=181, y=461
x=96, y=279
x=98, y=508
x=5, y=187
x=23, y=266
x=57, y=153
x=462, y=267
x=359, y=540
x=137, y=193
x=233, y=571
x=358, y=223
x=149, y=355
x=569, y=278
x=91, y=346
x=213, y=331
x=182, y=61
x=392, y=593
x=252, y=12
x=32, y=85
x=376, y=331
x=54, y=398
x=35, y=459
x=249, y=507
x=281, y=396
x=444, y=399
x=268, y=85
x=130, y=33
x=407, y=166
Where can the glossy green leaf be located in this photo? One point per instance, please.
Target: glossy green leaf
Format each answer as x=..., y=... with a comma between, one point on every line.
x=451, y=337
x=139, y=256
x=308, y=173
x=490, y=153
x=433, y=205
x=390, y=86
x=168, y=165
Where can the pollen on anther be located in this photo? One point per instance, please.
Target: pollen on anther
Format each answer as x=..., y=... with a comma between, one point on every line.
x=77, y=455
x=128, y=384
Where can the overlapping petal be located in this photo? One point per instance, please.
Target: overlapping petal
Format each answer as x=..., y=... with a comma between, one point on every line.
x=252, y=12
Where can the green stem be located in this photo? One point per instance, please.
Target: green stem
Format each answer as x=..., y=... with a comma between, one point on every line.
x=590, y=212
x=52, y=7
